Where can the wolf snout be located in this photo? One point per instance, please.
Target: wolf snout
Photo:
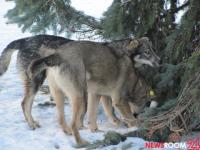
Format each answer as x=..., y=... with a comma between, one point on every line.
x=157, y=62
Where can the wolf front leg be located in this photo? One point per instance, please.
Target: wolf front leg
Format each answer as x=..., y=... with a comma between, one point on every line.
x=93, y=103
x=123, y=107
x=109, y=110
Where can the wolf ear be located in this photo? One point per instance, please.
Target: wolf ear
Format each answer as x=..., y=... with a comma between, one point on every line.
x=144, y=38
x=145, y=41
x=133, y=44
x=130, y=48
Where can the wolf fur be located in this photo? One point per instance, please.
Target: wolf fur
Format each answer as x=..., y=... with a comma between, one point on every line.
x=111, y=74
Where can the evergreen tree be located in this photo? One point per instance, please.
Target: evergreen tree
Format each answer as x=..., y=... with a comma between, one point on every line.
x=38, y=16
x=124, y=18
x=186, y=37
x=152, y=18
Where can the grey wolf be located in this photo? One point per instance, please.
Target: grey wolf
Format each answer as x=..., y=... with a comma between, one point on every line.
x=29, y=51
x=141, y=52
x=80, y=67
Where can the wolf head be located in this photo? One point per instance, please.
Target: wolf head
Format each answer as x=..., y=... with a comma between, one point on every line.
x=141, y=52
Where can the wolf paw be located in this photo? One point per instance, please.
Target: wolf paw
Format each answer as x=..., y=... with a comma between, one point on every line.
x=95, y=130
x=82, y=128
x=84, y=143
x=93, y=127
x=34, y=125
x=67, y=131
x=133, y=123
x=116, y=122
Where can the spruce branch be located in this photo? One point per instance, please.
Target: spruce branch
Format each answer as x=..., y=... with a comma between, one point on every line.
x=176, y=10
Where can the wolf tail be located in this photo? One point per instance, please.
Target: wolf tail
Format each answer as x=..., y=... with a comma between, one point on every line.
x=7, y=53
x=41, y=64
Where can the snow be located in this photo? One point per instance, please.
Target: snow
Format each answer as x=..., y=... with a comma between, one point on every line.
x=14, y=131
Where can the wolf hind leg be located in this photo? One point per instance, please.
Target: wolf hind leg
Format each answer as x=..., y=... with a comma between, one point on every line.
x=31, y=88
x=78, y=109
x=58, y=96
x=80, y=122
x=78, y=95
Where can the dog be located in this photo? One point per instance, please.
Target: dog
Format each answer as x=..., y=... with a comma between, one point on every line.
x=80, y=67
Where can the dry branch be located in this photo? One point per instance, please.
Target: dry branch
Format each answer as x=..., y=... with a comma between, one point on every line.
x=179, y=117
